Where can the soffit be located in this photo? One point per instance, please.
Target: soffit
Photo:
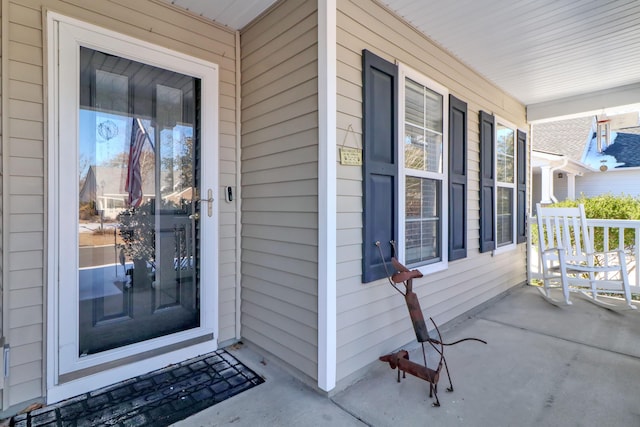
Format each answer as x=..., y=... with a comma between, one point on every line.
x=234, y=14
x=536, y=50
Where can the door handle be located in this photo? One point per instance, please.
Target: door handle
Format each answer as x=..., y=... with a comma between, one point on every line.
x=209, y=201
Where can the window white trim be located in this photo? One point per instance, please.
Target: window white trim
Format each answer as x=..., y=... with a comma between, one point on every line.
x=64, y=33
x=405, y=72
x=513, y=186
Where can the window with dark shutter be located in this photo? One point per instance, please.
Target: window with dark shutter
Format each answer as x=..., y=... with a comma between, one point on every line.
x=379, y=93
x=457, y=178
x=521, y=230
x=487, y=182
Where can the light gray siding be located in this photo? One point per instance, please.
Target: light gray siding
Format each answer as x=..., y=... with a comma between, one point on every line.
x=372, y=318
x=24, y=254
x=616, y=182
x=279, y=184
x=536, y=191
x=561, y=186
x=24, y=142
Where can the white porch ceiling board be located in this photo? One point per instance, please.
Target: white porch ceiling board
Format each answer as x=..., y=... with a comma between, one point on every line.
x=231, y=13
x=536, y=50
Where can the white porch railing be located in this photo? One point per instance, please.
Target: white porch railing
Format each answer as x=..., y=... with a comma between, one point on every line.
x=622, y=227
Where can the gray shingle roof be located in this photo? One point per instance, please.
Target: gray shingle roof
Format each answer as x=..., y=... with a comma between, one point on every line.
x=566, y=137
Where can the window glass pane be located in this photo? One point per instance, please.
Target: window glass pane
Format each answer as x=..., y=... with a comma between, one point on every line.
x=422, y=222
x=504, y=226
x=434, y=152
x=505, y=153
x=414, y=148
x=433, y=110
x=508, y=170
x=414, y=103
x=413, y=198
x=423, y=128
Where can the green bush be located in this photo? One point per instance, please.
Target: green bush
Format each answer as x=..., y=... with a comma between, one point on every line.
x=607, y=206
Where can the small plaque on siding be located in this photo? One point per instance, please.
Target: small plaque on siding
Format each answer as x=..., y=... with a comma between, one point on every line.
x=351, y=156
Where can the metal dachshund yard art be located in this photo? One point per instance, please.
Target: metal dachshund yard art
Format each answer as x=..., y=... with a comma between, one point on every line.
x=400, y=360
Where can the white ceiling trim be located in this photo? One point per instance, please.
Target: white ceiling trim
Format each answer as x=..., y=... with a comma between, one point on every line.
x=613, y=101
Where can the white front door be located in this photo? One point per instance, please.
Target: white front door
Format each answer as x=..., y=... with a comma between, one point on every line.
x=133, y=220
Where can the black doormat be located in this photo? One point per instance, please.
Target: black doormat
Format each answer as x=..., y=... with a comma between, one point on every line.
x=156, y=399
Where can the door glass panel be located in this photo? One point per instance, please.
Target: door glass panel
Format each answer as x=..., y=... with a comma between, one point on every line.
x=138, y=221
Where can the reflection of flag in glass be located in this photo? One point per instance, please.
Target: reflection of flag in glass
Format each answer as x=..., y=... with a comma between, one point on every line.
x=134, y=177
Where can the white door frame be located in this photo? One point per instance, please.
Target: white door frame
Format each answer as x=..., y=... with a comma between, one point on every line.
x=65, y=36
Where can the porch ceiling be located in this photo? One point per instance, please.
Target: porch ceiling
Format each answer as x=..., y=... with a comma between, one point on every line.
x=234, y=14
x=539, y=51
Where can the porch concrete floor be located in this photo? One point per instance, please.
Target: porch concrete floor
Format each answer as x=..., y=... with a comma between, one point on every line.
x=543, y=366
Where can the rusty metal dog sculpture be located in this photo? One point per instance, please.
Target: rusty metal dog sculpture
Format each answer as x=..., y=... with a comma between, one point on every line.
x=400, y=360
x=394, y=361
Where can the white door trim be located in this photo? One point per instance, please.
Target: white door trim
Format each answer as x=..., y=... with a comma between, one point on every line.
x=64, y=32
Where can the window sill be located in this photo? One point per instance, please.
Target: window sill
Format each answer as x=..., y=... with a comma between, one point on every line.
x=502, y=249
x=432, y=268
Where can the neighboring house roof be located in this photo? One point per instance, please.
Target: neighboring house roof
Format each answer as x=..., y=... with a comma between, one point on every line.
x=564, y=137
x=557, y=162
x=626, y=149
x=110, y=181
x=575, y=140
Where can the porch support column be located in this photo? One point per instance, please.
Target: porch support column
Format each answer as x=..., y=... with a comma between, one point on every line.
x=571, y=186
x=4, y=197
x=238, y=189
x=327, y=194
x=546, y=182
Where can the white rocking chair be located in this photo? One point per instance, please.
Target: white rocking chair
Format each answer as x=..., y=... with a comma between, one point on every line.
x=569, y=262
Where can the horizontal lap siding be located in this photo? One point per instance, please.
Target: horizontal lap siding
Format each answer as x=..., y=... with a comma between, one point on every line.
x=615, y=181
x=25, y=250
x=280, y=184
x=372, y=318
x=148, y=20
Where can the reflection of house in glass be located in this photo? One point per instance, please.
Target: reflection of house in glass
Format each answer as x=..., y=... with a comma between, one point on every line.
x=105, y=186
